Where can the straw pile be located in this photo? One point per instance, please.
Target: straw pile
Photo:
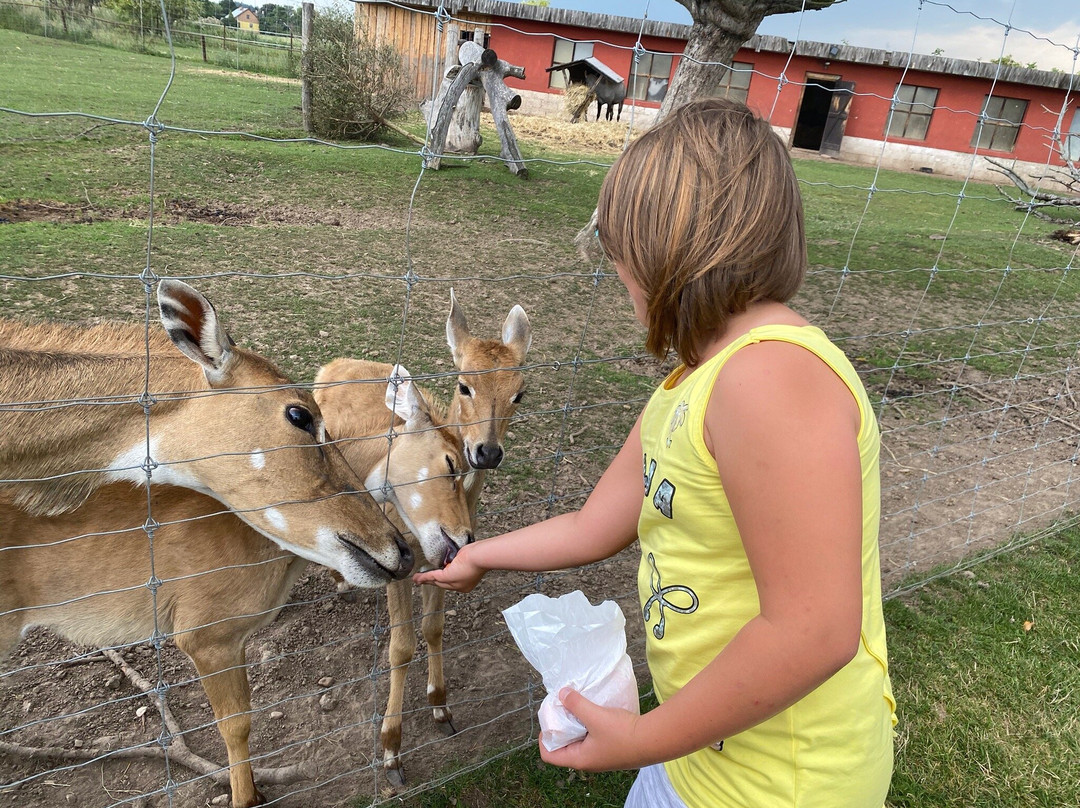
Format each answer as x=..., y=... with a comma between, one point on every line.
x=577, y=98
x=602, y=138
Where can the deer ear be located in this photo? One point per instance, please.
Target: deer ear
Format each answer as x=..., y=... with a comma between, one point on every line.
x=403, y=398
x=517, y=333
x=192, y=324
x=457, y=329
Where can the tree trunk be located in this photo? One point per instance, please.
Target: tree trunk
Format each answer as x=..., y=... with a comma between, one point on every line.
x=707, y=43
x=719, y=30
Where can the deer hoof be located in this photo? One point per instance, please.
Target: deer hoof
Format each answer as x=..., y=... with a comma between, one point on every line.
x=447, y=727
x=257, y=799
x=396, y=777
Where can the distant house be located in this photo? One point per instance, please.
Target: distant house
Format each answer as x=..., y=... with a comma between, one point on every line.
x=246, y=19
x=834, y=99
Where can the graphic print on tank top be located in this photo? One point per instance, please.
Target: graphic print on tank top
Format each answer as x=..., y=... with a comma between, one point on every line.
x=660, y=599
x=663, y=499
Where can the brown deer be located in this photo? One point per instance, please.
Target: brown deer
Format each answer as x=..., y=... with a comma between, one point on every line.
x=84, y=574
x=224, y=422
x=220, y=579
x=489, y=388
x=420, y=472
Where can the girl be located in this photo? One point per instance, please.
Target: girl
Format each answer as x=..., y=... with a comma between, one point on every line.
x=751, y=482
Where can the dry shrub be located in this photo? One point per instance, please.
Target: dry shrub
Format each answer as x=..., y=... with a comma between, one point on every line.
x=356, y=84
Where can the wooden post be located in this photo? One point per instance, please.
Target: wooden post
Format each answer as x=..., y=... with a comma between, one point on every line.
x=203, y=38
x=308, y=20
x=453, y=36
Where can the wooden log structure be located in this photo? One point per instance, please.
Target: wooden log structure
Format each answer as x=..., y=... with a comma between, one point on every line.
x=483, y=67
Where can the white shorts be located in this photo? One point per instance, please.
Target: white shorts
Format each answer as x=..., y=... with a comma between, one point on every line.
x=653, y=789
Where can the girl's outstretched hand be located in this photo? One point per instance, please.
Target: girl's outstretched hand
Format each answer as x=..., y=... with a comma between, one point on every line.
x=460, y=575
x=611, y=742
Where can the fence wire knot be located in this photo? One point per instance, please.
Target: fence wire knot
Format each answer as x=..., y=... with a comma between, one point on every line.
x=149, y=277
x=442, y=16
x=154, y=127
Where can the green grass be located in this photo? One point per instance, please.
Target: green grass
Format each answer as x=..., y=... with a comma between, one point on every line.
x=986, y=672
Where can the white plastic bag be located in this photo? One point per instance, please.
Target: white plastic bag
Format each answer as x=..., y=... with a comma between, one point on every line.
x=574, y=644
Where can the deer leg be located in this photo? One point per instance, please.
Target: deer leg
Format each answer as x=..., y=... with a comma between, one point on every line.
x=224, y=678
x=10, y=631
x=402, y=651
x=432, y=625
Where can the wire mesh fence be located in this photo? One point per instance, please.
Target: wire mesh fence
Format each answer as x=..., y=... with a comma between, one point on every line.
x=947, y=292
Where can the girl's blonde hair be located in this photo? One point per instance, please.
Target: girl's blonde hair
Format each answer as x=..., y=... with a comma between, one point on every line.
x=704, y=213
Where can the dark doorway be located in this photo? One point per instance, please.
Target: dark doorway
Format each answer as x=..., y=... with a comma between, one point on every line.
x=813, y=113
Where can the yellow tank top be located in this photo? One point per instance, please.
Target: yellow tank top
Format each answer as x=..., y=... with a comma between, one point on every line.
x=834, y=747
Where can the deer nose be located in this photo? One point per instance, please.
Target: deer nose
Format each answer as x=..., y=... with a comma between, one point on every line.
x=488, y=457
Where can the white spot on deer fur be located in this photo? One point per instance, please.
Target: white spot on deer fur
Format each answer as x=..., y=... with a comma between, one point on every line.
x=128, y=466
x=416, y=500
x=422, y=474
x=274, y=517
x=430, y=689
x=258, y=460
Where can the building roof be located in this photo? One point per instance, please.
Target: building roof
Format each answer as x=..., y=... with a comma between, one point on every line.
x=820, y=50
x=576, y=69
x=241, y=10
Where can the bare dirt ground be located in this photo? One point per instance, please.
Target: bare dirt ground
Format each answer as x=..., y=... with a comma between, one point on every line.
x=968, y=459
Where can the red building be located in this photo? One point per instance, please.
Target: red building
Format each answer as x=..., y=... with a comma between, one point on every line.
x=909, y=111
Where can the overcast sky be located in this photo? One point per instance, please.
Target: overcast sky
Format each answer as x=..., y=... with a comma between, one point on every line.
x=899, y=25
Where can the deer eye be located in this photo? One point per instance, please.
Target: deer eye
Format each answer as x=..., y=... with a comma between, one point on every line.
x=301, y=418
x=518, y=397
x=450, y=465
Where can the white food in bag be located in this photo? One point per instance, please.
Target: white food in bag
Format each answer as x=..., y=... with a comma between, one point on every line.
x=574, y=644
